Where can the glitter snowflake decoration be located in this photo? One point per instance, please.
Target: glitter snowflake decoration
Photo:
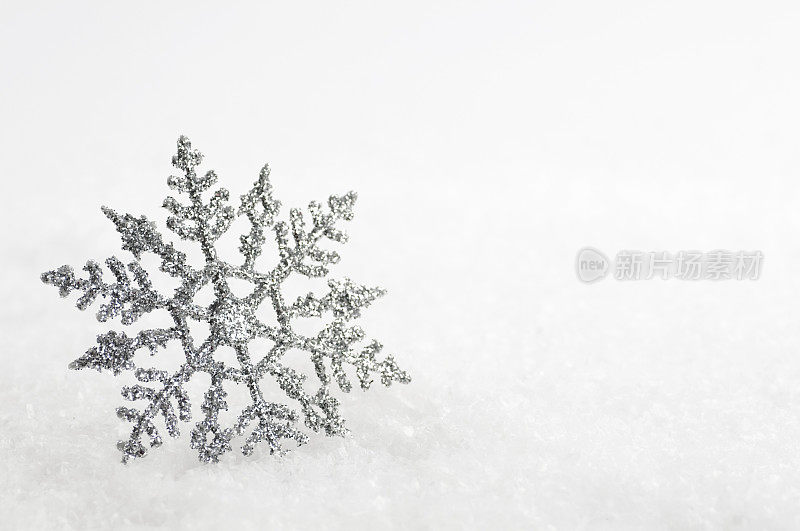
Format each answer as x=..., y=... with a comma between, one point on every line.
x=232, y=320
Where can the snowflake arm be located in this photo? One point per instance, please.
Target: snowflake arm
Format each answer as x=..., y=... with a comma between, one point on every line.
x=159, y=401
x=260, y=208
x=208, y=437
x=115, y=351
x=123, y=297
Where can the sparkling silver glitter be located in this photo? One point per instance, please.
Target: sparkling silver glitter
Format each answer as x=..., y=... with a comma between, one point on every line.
x=232, y=320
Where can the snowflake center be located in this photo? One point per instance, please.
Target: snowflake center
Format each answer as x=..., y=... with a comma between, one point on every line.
x=232, y=321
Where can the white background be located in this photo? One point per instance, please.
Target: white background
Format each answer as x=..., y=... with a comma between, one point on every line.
x=488, y=143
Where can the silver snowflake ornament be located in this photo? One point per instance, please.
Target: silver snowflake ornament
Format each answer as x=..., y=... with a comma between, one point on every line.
x=232, y=320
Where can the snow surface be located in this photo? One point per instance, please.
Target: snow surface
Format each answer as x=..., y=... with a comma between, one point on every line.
x=488, y=143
